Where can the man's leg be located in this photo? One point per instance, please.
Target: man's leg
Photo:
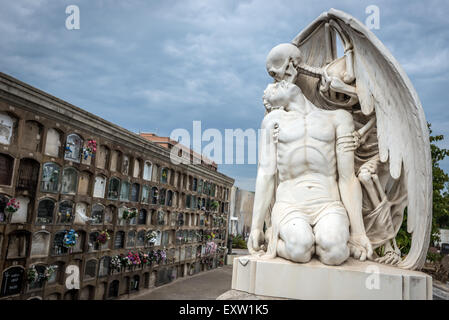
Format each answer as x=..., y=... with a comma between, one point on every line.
x=296, y=240
x=331, y=236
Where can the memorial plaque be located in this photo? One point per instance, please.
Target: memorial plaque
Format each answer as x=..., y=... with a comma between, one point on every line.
x=12, y=281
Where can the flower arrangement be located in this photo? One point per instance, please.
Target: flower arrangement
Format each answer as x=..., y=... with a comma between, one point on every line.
x=90, y=149
x=144, y=258
x=211, y=247
x=221, y=249
x=32, y=274
x=151, y=236
x=12, y=206
x=134, y=259
x=70, y=237
x=128, y=214
x=116, y=263
x=161, y=256
x=103, y=237
x=49, y=271
x=68, y=215
x=210, y=236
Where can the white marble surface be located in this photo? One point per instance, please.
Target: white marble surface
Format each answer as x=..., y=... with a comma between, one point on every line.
x=353, y=280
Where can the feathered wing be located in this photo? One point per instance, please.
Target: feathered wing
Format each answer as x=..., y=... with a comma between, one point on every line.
x=403, y=135
x=383, y=87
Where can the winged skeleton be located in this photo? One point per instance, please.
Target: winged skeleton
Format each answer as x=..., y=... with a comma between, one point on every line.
x=391, y=141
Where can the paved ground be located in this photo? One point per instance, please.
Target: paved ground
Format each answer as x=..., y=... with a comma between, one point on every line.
x=203, y=286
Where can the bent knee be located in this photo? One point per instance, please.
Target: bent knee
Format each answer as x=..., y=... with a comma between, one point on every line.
x=301, y=254
x=333, y=255
x=364, y=176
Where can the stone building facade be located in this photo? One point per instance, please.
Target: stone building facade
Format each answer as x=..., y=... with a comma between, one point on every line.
x=71, y=170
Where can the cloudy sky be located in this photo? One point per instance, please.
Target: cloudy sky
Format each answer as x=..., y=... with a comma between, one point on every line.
x=155, y=66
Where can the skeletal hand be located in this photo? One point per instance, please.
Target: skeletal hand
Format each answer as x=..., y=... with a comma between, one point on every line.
x=390, y=257
x=360, y=247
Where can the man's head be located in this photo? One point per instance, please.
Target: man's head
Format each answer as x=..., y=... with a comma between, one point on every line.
x=280, y=94
x=282, y=62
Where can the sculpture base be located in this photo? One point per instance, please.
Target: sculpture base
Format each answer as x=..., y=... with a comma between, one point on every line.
x=353, y=280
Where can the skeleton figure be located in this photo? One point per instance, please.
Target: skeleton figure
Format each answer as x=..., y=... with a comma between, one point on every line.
x=368, y=82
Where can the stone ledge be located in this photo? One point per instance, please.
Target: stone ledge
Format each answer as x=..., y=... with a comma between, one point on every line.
x=353, y=280
x=240, y=295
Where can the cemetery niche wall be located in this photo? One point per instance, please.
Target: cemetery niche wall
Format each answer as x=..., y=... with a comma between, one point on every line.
x=81, y=191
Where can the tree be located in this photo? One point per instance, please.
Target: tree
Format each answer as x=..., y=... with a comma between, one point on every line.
x=440, y=180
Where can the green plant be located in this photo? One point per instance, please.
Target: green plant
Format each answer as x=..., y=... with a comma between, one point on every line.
x=440, y=213
x=238, y=242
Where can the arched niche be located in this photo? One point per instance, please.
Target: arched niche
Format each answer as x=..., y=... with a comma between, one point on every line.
x=7, y=124
x=53, y=143
x=40, y=244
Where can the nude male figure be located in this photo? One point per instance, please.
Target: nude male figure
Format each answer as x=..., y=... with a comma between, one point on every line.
x=318, y=201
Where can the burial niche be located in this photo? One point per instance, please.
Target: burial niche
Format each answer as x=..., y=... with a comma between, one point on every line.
x=147, y=170
x=32, y=136
x=69, y=181
x=102, y=157
x=40, y=244
x=6, y=128
x=50, y=177
x=100, y=186
x=53, y=143
x=28, y=175
x=45, y=211
x=18, y=242
x=73, y=148
x=6, y=169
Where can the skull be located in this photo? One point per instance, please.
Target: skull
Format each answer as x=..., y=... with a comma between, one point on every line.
x=282, y=62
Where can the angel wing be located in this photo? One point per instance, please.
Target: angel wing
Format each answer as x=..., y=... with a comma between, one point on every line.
x=403, y=137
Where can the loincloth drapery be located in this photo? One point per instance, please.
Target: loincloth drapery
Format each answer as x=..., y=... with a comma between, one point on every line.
x=310, y=211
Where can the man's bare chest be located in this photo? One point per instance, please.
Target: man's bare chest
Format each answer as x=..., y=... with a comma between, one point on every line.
x=311, y=128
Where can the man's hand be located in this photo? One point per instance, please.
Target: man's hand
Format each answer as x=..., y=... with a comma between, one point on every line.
x=255, y=240
x=360, y=247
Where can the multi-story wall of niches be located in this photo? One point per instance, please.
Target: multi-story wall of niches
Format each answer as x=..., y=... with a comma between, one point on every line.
x=97, y=197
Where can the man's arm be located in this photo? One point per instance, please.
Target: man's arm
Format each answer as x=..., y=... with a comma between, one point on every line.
x=265, y=185
x=349, y=185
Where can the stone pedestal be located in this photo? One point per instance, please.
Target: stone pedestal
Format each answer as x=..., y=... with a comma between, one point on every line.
x=353, y=280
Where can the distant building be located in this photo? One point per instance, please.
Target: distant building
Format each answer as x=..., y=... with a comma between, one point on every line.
x=241, y=211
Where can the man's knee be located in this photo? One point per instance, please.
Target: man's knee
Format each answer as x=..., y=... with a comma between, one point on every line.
x=299, y=240
x=332, y=241
x=334, y=254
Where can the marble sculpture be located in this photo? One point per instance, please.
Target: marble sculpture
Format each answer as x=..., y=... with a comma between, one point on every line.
x=346, y=149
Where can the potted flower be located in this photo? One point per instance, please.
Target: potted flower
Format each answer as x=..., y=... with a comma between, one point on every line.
x=129, y=214
x=116, y=263
x=211, y=247
x=103, y=237
x=150, y=237
x=12, y=206
x=90, y=149
x=134, y=259
x=49, y=271
x=32, y=274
